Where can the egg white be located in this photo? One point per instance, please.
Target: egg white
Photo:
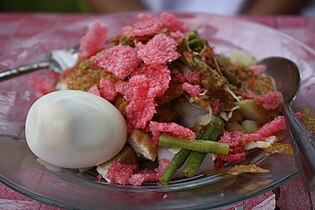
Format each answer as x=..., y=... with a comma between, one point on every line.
x=74, y=129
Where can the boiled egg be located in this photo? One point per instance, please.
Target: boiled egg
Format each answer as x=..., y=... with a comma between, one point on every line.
x=74, y=129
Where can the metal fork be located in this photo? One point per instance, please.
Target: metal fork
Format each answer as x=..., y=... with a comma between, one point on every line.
x=56, y=60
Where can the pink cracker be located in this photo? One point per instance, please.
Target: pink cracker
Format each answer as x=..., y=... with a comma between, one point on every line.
x=216, y=106
x=161, y=49
x=45, y=89
x=125, y=89
x=160, y=76
x=120, y=173
x=138, y=87
x=44, y=85
x=147, y=26
x=36, y=81
x=172, y=23
x=93, y=41
x=179, y=78
x=144, y=16
x=141, y=91
x=269, y=129
x=155, y=135
x=270, y=101
x=174, y=129
x=177, y=35
x=108, y=89
x=53, y=75
x=143, y=176
x=235, y=138
x=150, y=175
x=139, y=113
x=129, y=128
x=163, y=164
x=119, y=60
x=257, y=69
x=99, y=177
x=94, y=90
x=128, y=174
x=232, y=138
x=193, y=90
x=232, y=158
x=192, y=77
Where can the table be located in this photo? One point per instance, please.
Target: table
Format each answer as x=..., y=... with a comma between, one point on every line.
x=15, y=28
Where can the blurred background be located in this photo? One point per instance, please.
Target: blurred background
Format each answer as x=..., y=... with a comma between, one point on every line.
x=222, y=7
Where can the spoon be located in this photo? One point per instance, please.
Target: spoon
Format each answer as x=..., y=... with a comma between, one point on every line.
x=56, y=60
x=287, y=78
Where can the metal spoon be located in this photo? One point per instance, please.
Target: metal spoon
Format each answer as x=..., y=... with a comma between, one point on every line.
x=287, y=78
x=56, y=60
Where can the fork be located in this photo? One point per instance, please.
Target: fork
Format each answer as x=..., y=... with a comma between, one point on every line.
x=56, y=60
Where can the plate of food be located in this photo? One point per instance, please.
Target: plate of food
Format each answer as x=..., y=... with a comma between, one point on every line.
x=158, y=111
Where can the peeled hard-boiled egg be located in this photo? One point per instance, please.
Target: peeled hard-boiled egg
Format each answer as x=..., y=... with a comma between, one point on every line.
x=74, y=129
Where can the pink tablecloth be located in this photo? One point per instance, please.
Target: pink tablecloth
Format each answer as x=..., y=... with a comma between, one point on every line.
x=14, y=28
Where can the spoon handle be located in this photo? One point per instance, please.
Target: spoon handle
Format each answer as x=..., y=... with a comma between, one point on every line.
x=7, y=74
x=304, y=147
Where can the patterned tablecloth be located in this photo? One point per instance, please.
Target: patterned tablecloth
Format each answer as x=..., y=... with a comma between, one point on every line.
x=15, y=28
